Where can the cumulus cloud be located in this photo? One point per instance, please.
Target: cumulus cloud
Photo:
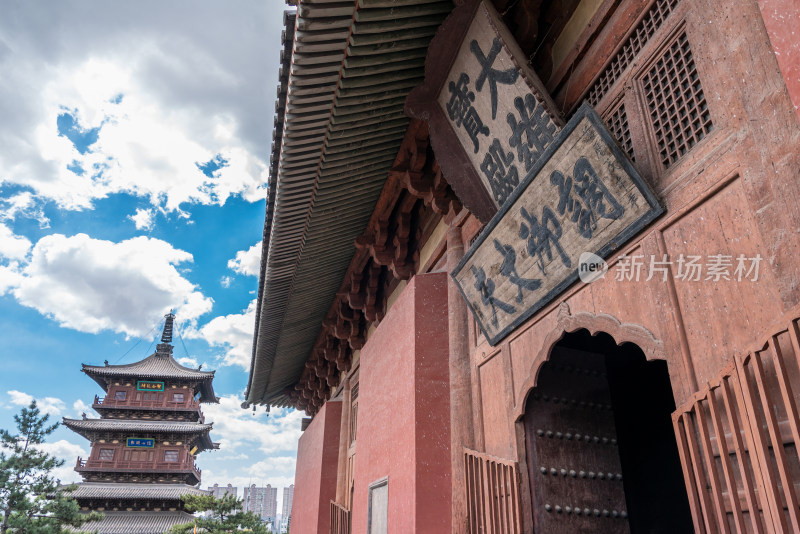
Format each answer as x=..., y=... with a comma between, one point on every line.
x=48, y=405
x=92, y=285
x=188, y=361
x=12, y=246
x=247, y=261
x=23, y=204
x=69, y=453
x=79, y=407
x=238, y=428
x=143, y=107
x=232, y=332
x=143, y=219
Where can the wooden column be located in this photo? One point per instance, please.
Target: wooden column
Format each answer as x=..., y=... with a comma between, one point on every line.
x=461, y=421
x=344, y=443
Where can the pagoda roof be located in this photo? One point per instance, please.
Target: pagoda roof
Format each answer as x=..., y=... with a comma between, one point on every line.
x=108, y=490
x=92, y=428
x=159, y=365
x=136, y=522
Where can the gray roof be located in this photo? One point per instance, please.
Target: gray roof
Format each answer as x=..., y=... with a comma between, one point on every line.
x=136, y=425
x=108, y=490
x=136, y=522
x=159, y=365
x=350, y=69
x=92, y=428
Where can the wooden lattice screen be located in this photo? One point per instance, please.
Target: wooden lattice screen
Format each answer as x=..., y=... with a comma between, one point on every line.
x=492, y=492
x=340, y=519
x=738, y=442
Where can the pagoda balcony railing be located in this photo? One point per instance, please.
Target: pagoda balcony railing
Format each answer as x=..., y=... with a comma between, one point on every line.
x=136, y=466
x=110, y=402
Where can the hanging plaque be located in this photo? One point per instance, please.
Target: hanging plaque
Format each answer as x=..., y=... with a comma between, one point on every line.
x=583, y=195
x=140, y=443
x=149, y=385
x=487, y=108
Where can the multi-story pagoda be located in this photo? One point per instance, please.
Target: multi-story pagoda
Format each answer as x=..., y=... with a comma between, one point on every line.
x=144, y=444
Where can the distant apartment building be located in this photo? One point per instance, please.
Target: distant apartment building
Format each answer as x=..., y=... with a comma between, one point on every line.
x=262, y=501
x=220, y=491
x=286, y=509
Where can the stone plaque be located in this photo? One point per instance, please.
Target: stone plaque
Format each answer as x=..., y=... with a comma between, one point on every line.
x=582, y=195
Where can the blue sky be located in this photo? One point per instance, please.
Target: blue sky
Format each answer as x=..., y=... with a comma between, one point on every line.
x=134, y=143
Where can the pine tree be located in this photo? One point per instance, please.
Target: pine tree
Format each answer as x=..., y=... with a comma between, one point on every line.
x=31, y=500
x=226, y=516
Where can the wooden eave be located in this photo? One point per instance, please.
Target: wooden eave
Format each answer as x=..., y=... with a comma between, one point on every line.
x=320, y=200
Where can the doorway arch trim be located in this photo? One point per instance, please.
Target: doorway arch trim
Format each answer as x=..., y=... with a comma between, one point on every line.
x=567, y=323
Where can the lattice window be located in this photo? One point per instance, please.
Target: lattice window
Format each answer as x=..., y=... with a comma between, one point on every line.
x=617, y=121
x=676, y=102
x=644, y=31
x=106, y=455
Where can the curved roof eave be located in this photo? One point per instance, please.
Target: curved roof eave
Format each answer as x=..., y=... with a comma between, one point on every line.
x=309, y=232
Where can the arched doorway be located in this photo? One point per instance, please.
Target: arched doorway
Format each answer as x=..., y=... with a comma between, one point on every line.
x=601, y=452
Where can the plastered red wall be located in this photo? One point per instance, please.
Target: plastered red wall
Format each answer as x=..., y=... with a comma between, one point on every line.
x=403, y=428
x=315, y=476
x=782, y=19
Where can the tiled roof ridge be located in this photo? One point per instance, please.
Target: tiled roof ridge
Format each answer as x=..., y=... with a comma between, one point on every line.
x=156, y=356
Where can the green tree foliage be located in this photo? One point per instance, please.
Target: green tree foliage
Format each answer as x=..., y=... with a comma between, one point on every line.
x=226, y=516
x=32, y=501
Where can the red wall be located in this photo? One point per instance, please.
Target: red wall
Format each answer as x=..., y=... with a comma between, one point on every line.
x=782, y=19
x=403, y=428
x=315, y=476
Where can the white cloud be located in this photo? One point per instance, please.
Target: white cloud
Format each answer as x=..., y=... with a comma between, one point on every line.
x=12, y=246
x=188, y=362
x=165, y=93
x=236, y=427
x=69, y=453
x=79, y=407
x=48, y=405
x=143, y=219
x=247, y=261
x=225, y=281
x=23, y=204
x=234, y=332
x=92, y=285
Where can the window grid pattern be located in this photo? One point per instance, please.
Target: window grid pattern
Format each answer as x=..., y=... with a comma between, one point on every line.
x=617, y=121
x=676, y=102
x=643, y=32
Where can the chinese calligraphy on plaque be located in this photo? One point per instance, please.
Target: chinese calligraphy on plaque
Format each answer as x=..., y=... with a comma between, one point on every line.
x=140, y=443
x=582, y=196
x=503, y=124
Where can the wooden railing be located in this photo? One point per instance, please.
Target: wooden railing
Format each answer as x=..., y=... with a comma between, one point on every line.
x=340, y=519
x=492, y=493
x=738, y=440
x=136, y=466
x=106, y=402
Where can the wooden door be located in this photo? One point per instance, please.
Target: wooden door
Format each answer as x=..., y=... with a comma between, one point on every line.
x=574, y=465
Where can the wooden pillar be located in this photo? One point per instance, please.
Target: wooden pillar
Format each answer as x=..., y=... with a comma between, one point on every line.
x=344, y=443
x=461, y=421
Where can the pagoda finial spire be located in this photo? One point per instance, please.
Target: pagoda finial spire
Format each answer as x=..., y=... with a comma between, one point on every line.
x=166, y=336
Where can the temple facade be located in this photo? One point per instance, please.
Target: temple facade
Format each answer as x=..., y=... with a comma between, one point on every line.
x=145, y=443
x=532, y=266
